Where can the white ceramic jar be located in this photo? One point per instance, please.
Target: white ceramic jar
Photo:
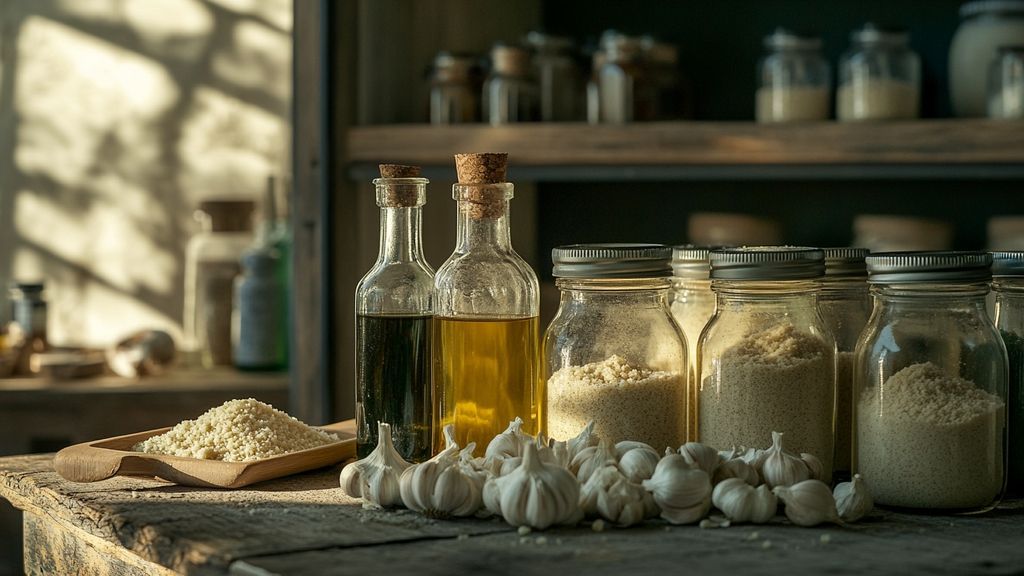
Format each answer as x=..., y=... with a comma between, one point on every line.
x=986, y=25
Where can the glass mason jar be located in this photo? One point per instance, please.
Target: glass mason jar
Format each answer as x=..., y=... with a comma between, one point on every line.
x=693, y=305
x=795, y=81
x=661, y=61
x=1006, y=84
x=930, y=384
x=844, y=305
x=1008, y=284
x=879, y=77
x=487, y=306
x=985, y=26
x=614, y=353
x=558, y=78
x=454, y=89
x=394, y=320
x=620, y=80
x=510, y=94
x=767, y=360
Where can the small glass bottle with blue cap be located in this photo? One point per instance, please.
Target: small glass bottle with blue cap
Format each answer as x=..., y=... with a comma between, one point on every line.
x=614, y=353
x=767, y=360
x=930, y=380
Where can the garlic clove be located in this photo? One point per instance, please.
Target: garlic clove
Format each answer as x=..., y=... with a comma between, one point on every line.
x=682, y=491
x=638, y=464
x=375, y=478
x=780, y=468
x=808, y=503
x=853, y=499
x=585, y=439
x=589, y=460
x=815, y=469
x=754, y=457
x=703, y=456
x=510, y=442
x=736, y=468
x=765, y=505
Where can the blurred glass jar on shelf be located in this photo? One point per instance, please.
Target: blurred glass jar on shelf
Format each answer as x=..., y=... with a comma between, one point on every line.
x=510, y=95
x=27, y=336
x=621, y=90
x=559, y=81
x=794, y=79
x=259, y=333
x=725, y=229
x=454, y=89
x=985, y=26
x=884, y=233
x=661, y=61
x=211, y=264
x=879, y=76
x=1006, y=84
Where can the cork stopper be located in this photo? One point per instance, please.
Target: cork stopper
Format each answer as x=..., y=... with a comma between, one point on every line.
x=481, y=191
x=399, y=195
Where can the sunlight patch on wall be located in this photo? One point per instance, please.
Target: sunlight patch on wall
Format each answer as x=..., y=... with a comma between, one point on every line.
x=256, y=59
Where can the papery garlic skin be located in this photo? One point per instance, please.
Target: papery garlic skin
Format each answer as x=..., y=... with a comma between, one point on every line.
x=682, y=491
x=808, y=503
x=736, y=468
x=626, y=445
x=815, y=469
x=703, y=456
x=591, y=459
x=741, y=502
x=638, y=464
x=610, y=495
x=536, y=494
x=376, y=478
x=510, y=442
x=853, y=499
x=446, y=485
x=780, y=468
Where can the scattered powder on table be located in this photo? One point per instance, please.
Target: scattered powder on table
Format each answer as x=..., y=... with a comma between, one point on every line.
x=626, y=402
x=844, y=411
x=237, y=431
x=931, y=440
x=775, y=379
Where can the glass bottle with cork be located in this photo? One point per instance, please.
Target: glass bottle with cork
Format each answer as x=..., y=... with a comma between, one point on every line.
x=394, y=316
x=486, y=330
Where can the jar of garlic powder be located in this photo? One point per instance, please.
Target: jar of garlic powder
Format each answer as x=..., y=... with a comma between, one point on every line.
x=879, y=76
x=614, y=353
x=930, y=384
x=795, y=79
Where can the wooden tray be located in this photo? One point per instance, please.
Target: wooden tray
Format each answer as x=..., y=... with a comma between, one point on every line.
x=102, y=459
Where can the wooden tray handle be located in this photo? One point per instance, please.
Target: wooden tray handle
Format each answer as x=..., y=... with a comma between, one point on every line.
x=83, y=464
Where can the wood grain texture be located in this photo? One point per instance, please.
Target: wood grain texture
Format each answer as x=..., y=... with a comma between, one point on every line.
x=697, y=143
x=53, y=549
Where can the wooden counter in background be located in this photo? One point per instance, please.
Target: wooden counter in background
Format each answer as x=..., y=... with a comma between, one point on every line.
x=305, y=525
x=37, y=415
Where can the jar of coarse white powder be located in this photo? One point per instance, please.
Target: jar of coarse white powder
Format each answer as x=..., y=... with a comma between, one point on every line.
x=845, y=305
x=767, y=361
x=930, y=384
x=795, y=80
x=693, y=304
x=614, y=353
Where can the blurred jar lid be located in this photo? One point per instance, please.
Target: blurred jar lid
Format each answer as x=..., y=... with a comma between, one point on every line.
x=888, y=233
x=725, y=229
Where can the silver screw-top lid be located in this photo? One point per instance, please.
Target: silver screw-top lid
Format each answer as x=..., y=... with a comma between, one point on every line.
x=783, y=39
x=912, y=267
x=612, y=261
x=871, y=33
x=988, y=6
x=767, y=263
x=691, y=262
x=845, y=261
x=1008, y=263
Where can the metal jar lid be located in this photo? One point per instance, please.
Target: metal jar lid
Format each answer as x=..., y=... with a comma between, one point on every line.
x=871, y=33
x=612, y=261
x=989, y=6
x=845, y=262
x=913, y=267
x=783, y=39
x=691, y=262
x=767, y=263
x=1007, y=264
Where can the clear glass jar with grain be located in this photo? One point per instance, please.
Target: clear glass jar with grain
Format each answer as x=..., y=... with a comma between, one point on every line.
x=795, y=80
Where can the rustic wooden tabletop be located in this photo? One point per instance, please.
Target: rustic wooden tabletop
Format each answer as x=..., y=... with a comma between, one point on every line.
x=305, y=525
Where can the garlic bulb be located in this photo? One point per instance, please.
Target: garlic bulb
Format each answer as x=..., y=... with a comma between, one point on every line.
x=510, y=442
x=815, y=470
x=610, y=495
x=638, y=464
x=853, y=499
x=591, y=459
x=585, y=439
x=754, y=457
x=704, y=457
x=741, y=502
x=681, y=491
x=780, y=468
x=808, y=503
x=443, y=486
x=736, y=468
x=626, y=445
x=536, y=494
x=375, y=478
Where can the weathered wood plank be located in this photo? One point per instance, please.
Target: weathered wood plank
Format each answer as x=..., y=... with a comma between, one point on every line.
x=201, y=531
x=53, y=549
x=932, y=142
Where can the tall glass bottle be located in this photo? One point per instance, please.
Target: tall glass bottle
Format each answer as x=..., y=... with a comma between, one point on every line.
x=486, y=369
x=394, y=314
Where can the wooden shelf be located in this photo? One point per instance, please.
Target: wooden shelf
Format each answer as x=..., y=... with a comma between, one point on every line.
x=706, y=150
